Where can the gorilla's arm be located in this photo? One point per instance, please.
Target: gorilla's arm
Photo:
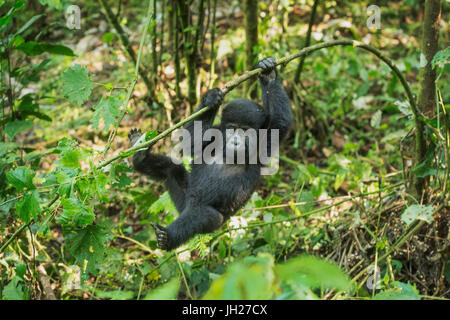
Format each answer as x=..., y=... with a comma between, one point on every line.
x=275, y=99
x=156, y=166
x=213, y=98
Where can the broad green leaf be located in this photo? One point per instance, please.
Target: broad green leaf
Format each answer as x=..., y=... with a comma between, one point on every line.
x=7, y=147
x=21, y=178
x=251, y=278
x=399, y=291
x=52, y=3
x=115, y=295
x=168, y=291
x=108, y=109
x=32, y=48
x=14, y=127
x=424, y=169
x=28, y=206
x=417, y=212
x=14, y=290
x=305, y=196
x=108, y=37
x=77, y=85
x=88, y=248
x=313, y=273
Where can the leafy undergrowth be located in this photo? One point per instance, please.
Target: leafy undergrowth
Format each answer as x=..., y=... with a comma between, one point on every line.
x=335, y=222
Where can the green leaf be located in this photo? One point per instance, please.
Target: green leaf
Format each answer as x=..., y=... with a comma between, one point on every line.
x=52, y=3
x=28, y=24
x=14, y=127
x=424, y=169
x=21, y=178
x=28, y=206
x=6, y=147
x=108, y=37
x=441, y=58
x=305, y=196
x=71, y=158
x=417, y=212
x=14, y=290
x=108, y=109
x=168, y=291
x=77, y=85
x=114, y=295
x=75, y=213
x=118, y=177
x=399, y=291
x=447, y=271
x=251, y=278
x=165, y=203
x=376, y=119
x=88, y=248
x=32, y=48
x=313, y=273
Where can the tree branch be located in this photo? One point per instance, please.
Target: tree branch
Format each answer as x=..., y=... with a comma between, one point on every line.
x=249, y=74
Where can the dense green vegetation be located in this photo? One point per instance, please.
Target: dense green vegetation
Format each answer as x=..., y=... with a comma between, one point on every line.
x=357, y=210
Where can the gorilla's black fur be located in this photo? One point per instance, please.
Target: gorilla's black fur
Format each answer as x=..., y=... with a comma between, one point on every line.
x=209, y=194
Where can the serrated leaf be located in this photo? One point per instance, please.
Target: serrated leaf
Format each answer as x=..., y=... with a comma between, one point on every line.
x=118, y=177
x=165, y=203
x=87, y=247
x=77, y=85
x=441, y=58
x=417, y=212
x=75, y=213
x=404, y=107
x=28, y=206
x=21, y=178
x=14, y=290
x=71, y=158
x=108, y=110
x=14, y=127
x=376, y=119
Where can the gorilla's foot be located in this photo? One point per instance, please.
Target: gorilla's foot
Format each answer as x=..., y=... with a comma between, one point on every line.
x=161, y=236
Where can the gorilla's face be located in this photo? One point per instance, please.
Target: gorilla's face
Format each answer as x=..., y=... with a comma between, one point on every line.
x=240, y=144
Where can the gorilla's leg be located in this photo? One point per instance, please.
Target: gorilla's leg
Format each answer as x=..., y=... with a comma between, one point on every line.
x=177, y=184
x=192, y=221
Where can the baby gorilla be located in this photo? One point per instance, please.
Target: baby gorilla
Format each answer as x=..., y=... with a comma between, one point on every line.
x=211, y=193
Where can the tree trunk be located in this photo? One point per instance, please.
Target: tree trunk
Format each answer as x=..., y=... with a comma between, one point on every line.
x=427, y=78
x=251, y=40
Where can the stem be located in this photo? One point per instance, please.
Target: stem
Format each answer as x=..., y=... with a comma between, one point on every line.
x=126, y=43
x=307, y=40
x=135, y=78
